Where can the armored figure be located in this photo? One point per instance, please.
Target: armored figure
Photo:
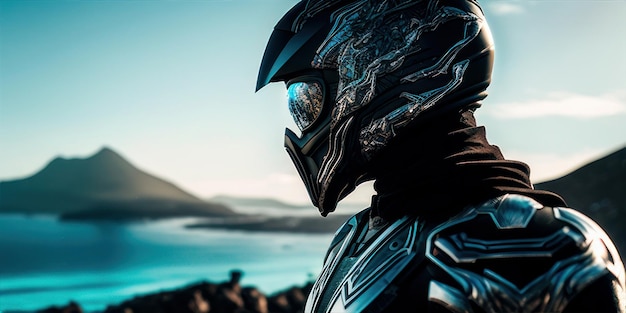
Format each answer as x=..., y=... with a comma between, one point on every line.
x=385, y=90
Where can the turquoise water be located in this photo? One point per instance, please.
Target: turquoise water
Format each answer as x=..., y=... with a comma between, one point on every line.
x=46, y=262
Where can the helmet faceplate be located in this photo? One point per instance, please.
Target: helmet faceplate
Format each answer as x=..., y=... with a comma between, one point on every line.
x=381, y=67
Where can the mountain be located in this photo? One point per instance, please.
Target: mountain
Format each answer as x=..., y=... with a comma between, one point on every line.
x=103, y=185
x=598, y=190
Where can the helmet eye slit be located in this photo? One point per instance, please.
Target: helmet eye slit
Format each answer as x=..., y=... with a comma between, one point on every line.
x=305, y=98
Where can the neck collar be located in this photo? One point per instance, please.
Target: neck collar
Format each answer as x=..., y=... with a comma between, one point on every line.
x=438, y=174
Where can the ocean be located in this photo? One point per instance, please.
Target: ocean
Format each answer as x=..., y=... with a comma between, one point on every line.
x=46, y=262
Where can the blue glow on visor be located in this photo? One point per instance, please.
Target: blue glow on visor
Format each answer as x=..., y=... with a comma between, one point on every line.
x=305, y=100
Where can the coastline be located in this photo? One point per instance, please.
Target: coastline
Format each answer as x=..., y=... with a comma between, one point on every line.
x=100, y=263
x=201, y=297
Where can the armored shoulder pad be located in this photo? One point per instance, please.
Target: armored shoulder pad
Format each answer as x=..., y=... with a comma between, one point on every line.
x=512, y=254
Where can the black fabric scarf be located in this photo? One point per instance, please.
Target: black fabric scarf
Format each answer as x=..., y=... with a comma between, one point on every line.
x=440, y=168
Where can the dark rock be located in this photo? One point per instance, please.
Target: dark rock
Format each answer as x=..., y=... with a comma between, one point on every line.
x=71, y=307
x=289, y=301
x=225, y=297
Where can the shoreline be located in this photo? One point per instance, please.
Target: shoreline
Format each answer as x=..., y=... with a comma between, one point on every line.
x=200, y=297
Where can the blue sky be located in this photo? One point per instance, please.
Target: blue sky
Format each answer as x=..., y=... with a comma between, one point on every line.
x=170, y=86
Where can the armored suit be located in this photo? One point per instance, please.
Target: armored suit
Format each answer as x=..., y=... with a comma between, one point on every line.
x=385, y=90
x=509, y=254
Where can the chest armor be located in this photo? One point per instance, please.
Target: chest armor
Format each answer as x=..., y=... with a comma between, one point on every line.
x=508, y=255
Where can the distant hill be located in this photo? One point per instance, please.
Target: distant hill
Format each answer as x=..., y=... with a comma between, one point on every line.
x=102, y=186
x=106, y=186
x=598, y=189
x=283, y=224
x=258, y=202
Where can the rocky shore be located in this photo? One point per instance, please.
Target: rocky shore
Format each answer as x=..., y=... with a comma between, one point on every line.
x=206, y=297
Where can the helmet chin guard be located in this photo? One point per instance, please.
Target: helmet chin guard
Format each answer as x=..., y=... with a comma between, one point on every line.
x=328, y=177
x=363, y=72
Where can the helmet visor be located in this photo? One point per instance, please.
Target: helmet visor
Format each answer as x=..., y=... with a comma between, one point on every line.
x=305, y=98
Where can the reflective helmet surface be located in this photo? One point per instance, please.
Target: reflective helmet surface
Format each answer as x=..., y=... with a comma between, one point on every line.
x=361, y=73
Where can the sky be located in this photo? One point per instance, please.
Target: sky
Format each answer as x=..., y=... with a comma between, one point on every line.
x=170, y=86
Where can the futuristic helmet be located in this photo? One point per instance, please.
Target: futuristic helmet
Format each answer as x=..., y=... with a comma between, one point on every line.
x=359, y=73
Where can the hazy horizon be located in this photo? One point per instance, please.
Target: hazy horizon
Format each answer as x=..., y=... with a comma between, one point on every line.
x=362, y=198
x=170, y=86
